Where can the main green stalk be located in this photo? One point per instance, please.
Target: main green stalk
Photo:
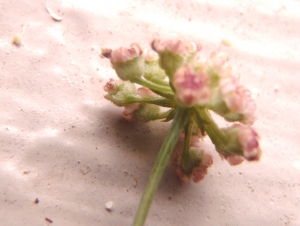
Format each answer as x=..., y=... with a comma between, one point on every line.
x=179, y=121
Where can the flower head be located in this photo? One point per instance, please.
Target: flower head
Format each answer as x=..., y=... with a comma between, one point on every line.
x=192, y=87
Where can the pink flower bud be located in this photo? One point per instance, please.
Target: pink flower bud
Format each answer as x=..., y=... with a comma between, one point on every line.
x=238, y=99
x=192, y=87
x=242, y=143
x=111, y=86
x=248, y=139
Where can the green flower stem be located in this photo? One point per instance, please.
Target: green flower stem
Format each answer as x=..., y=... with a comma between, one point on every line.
x=181, y=118
x=187, y=139
x=151, y=85
x=203, y=119
x=159, y=81
x=163, y=115
x=160, y=101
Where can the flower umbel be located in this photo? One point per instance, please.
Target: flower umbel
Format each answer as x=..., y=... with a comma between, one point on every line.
x=173, y=85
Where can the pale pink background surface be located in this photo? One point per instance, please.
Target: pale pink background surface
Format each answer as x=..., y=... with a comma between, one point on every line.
x=62, y=142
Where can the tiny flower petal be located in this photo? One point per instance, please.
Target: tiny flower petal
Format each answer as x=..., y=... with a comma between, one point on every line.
x=234, y=160
x=128, y=112
x=111, y=86
x=200, y=171
x=122, y=54
x=181, y=176
x=175, y=46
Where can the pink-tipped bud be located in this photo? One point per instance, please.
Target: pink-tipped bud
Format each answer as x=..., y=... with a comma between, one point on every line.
x=248, y=139
x=111, y=86
x=243, y=142
x=238, y=99
x=127, y=62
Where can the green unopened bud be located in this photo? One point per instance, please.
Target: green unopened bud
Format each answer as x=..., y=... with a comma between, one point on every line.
x=172, y=54
x=120, y=93
x=130, y=70
x=147, y=112
x=152, y=70
x=233, y=146
x=217, y=103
